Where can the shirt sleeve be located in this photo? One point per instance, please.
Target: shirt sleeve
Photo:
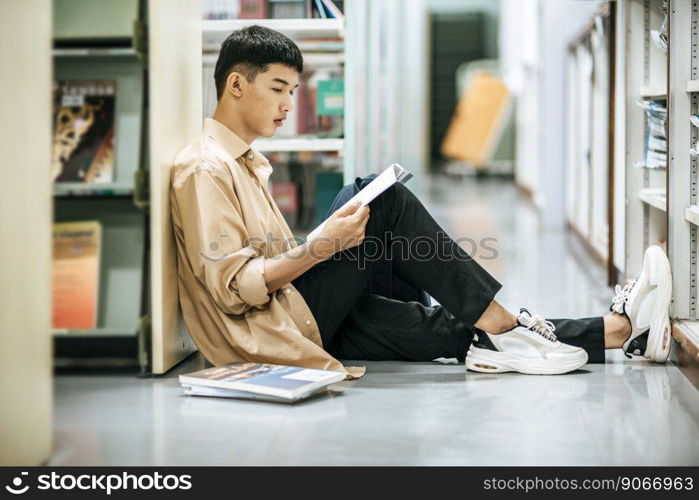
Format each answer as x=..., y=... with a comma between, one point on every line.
x=217, y=244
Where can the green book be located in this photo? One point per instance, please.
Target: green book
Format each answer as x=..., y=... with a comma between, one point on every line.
x=330, y=98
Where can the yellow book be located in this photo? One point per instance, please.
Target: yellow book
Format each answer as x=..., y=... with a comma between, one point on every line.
x=476, y=125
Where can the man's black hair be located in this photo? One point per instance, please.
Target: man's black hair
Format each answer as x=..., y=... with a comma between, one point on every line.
x=251, y=50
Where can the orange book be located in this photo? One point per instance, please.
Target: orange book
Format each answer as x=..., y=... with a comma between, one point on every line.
x=76, y=255
x=477, y=123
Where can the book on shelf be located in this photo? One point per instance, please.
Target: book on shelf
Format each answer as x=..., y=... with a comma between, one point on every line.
x=253, y=9
x=328, y=185
x=214, y=10
x=271, y=9
x=655, y=146
x=83, y=131
x=332, y=9
x=285, y=195
x=655, y=159
x=289, y=9
x=330, y=97
x=75, y=274
x=259, y=381
x=656, y=143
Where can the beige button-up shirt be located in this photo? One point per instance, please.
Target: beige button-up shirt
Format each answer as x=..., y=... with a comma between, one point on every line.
x=226, y=223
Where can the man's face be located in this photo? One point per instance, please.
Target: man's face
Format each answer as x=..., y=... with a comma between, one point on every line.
x=267, y=101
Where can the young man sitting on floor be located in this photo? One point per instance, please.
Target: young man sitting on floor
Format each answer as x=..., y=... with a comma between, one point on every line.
x=251, y=292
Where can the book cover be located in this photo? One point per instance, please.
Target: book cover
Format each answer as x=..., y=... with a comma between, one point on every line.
x=332, y=10
x=330, y=97
x=285, y=195
x=83, y=131
x=288, y=9
x=286, y=382
x=76, y=256
x=253, y=9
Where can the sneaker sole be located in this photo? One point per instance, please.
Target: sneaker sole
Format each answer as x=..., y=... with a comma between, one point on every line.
x=658, y=348
x=487, y=361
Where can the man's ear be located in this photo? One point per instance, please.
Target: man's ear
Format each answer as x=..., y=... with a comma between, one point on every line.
x=234, y=84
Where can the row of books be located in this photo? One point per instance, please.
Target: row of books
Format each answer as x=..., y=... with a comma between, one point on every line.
x=77, y=245
x=304, y=189
x=318, y=106
x=655, y=147
x=83, y=149
x=318, y=103
x=272, y=9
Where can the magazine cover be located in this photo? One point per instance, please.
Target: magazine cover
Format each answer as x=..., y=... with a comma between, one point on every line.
x=76, y=252
x=83, y=131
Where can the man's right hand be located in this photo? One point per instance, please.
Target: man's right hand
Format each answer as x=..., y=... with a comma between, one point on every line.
x=344, y=229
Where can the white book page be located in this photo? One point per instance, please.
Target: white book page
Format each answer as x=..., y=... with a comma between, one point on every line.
x=310, y=375
x=392, y=174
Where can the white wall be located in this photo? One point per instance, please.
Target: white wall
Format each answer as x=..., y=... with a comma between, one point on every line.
x=534, y=35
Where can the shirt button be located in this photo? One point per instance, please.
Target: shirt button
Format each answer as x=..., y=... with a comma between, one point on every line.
x=308, y=322
x=251, y=155
x=287, y=291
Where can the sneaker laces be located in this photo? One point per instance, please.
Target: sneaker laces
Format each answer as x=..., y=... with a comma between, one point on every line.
x=622, y=296
x=542, y=326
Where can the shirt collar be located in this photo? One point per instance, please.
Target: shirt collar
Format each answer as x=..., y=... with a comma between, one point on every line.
x=224, y=136
x=236, y=147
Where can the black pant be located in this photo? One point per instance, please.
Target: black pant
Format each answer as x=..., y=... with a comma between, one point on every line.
x=355, y=323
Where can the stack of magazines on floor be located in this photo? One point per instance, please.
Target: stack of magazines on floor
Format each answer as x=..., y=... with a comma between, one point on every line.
x=656, y=137
x=277, y=383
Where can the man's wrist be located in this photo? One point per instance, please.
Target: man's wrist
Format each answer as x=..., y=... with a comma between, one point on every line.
x=319, y=249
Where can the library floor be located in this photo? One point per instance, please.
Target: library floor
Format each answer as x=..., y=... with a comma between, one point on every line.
x=623, y=412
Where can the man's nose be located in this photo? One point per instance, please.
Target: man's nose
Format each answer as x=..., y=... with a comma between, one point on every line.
x=288, y=105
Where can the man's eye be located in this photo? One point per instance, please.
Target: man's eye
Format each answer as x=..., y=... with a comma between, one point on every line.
x=277, y=90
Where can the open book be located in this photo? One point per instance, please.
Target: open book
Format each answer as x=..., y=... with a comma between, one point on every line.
x=392, y=174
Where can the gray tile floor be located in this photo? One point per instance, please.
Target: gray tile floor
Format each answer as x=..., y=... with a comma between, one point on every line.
x=622, y=412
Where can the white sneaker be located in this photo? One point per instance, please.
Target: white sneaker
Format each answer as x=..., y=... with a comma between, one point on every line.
x=646, y=303
x=531, y=347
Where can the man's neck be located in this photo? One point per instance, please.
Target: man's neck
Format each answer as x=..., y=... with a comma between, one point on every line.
x=234, y=124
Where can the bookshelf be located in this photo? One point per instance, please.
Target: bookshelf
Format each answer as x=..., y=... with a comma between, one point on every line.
x=683, y=175
x=214, y=31
x=84, y=51
x=643, y=78
x=654, y=200
x=298, y=152
x=148, y=48
x=589, y=140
